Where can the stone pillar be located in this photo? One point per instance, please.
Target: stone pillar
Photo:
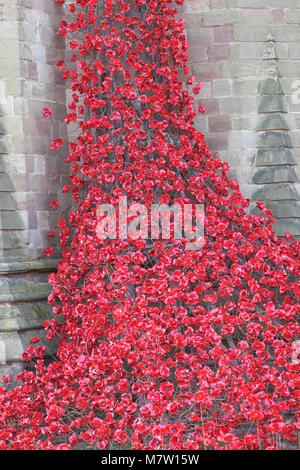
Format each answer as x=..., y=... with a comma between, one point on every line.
x=31, y=174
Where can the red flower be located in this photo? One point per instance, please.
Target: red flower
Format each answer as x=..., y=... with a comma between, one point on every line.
x=48, y=251
x=46, y=113
x=57, y=143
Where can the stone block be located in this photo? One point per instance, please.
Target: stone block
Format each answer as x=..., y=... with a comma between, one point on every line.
x=11, y=125
x=271, y=104
x=272, y=174
x=193, y=20
x=12, y=68
x=294, y=50
x=244, y=87
x=14, y=87
x=4, y=146
x=276, y=192
x=6, y=183
x=211, y=105
x=219, y=123
x=272, y=121
x=287, y=225
x=278, y=15
x=21, y=289
x=245, y=51
x=257, y=33
x=292, y=15
x=271, y=139
x=270, y=53
x=217, y=4
x=244, y=139
x=205, y=71
x=223, y=33
x=241, y=68
x=39, y=90
x=12, y=164
x=274, y=156
x=221, y=87
x=218, y=52
x=7, y=240
x=237, y=105
x=10, y=31
x=222, y=17
x=17, y=342
x=12, y=12
x=20, y=182
x=201, y=36
x=197, y=53
x=270, y=86
x=217, y=141
x=251, y=3
x=259, y=16
x=7, y=202
x=11, y=220
x=285, y=209
x=24, y=316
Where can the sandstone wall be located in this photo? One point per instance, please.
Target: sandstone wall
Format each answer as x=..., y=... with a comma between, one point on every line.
x=244, y=50
x=31, y=175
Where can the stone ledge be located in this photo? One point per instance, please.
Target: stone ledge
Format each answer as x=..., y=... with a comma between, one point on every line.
x=274, y=174
x=12, y=291
x=25, y=316
x=17, y=342
x=28, y=266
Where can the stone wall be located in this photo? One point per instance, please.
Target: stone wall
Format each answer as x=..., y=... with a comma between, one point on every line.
x=31, y=175
x=247, y=53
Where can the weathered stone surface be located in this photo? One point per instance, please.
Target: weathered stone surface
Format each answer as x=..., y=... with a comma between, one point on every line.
x=222, y=88
x=7, y=202
x=274, y=139
x=269, y=53
x=287, y=225
x=22, y=290
x=292, y=15
x=274, y=156
x=271, y=104
x=16, y=342
x=274, y=175
x=280, y=209
x=270, y=68
x=272, y=121
x=257, y=33
x=3, y=146
x=222, y=17
x=219, y=123
x=11, y=220
x=251, y=3
x=270, y=86
x=7, y=240
x=6, y=183
x=285, y=209
x=24, y=316
x=244, y=87
x=276, y=192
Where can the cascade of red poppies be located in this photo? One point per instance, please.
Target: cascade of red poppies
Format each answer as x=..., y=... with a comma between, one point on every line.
x=160, y=347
